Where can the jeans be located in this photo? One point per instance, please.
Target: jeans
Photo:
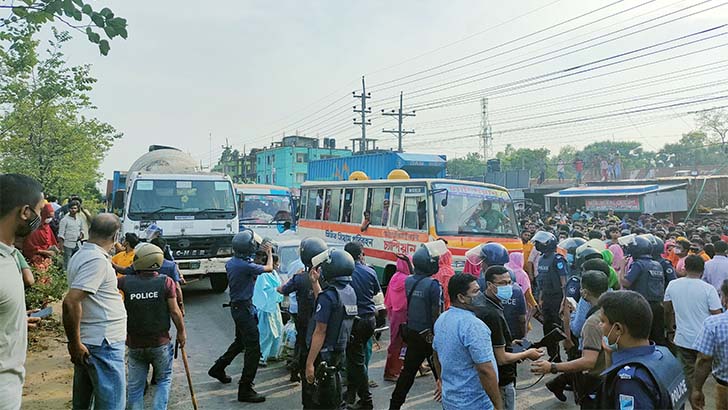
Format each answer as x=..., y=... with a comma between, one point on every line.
x=657, y=331
x=102, y=378
x=508, y=392
x=247, y=339
x=67, y=253
x=417, y=351
x=356, y=364
x=160, y=358
x=687, y=358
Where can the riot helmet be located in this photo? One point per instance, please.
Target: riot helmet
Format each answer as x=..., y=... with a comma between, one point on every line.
x=309, y=248
x=570, y=245
x=147, y=257
x=586, y=253
x=658, y=248
x=334, y=263
x=544, y=241
x=494, y=254
x=638, y=245
x=245, y=243
x=426, y=258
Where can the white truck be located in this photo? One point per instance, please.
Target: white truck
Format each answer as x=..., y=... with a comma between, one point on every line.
x=196, y=210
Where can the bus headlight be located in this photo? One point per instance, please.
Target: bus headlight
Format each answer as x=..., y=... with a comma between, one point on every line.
x=224, y=251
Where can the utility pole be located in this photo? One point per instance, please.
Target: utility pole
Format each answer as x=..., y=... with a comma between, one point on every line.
x=486, y=134
x=210, y=163
x=363, y=111
x=400, y=117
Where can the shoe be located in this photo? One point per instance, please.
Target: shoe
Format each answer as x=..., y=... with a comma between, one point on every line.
x=558, y=392
x=295, y=378
x=248, y=395
x=262, y=364
x=392, y=379
x=373, y=384
x=217, y=371
x=363, y=405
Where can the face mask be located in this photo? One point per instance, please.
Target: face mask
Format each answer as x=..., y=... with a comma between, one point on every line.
x=613, y=347
x=504, y=293
x=48, y=220
x=31, y=226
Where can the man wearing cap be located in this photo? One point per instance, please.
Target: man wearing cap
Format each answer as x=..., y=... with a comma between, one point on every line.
x=150, y=301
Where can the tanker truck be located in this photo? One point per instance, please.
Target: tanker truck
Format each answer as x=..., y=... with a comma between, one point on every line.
x=196, y=211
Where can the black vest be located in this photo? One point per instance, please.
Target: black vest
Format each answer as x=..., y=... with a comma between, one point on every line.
x=650, y=283
x=341, y=320
x=548, y=277
x=146, y=305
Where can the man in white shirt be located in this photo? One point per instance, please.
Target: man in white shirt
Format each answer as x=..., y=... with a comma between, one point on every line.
x=688, y=301
x=21, y=201
x=716, y=269
x=70, y=232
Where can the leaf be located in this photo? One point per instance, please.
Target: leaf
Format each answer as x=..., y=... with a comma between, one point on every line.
x=107, y=13
x=20, y=11
x=110, y=31
x=122, y=32
x=79, y=3
x=98, y=19
x=87, y=10
x=104, y=47
x=69, y=8
x=93, y=37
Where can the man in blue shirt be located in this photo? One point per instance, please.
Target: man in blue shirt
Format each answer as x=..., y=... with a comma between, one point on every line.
x=642, y=375
x=366, y=285
x=300, y=284
x=712, y=347
x=463, y=355
x=241, y=274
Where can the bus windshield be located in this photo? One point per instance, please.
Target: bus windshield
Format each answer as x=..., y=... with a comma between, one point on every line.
x=472, y=209
x=265, y=209
x=168, y=199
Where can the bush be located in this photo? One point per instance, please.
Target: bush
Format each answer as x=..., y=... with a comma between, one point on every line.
x=50, y=283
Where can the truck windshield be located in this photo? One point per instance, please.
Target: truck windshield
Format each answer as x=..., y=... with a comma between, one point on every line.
x=473, y=210
x=265, y=209
x=165, y=199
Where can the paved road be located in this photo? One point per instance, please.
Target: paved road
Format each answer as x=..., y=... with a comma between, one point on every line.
x=210, y=330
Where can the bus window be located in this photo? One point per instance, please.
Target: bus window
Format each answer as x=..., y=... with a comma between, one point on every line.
x=327, y=205
x=313, y=205
x=302, y=206
x=357, y=205
x=335, y=203
x=376, y=205
x=396, y=200
x=415, y=212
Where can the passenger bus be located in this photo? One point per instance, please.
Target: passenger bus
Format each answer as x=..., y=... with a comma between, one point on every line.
x=394, y=216
x=266, y=209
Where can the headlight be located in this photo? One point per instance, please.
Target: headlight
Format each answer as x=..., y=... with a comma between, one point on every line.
x=225, y=251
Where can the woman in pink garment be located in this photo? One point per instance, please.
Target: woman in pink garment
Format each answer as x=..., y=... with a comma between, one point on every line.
x=443, y=276
x=396, y=302
x=515, y=265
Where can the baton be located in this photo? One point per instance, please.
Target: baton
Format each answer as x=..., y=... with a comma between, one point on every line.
x=187, y=372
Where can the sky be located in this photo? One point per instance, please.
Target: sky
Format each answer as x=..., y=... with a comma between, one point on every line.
x=198, y=75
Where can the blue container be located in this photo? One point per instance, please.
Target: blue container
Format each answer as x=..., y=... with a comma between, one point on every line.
x=377, y=166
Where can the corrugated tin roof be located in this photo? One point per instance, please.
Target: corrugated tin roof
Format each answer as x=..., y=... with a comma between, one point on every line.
x=613, y=190
x=431, y=158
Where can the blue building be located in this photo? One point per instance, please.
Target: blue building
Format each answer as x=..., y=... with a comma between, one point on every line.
x=378, y=165
x=286, y=162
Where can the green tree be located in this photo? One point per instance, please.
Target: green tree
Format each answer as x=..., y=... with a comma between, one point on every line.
x=471, y=165
x=715, y=124
x=524, y=158
x=79, y=15
x=694, y=148
x=43, y=132
x=631, y=154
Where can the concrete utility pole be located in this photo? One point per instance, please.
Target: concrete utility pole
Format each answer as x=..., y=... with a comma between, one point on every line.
x=363, y=111
x=486, y=134
x=400, y=117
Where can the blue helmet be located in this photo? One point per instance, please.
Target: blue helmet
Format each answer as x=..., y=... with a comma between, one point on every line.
x=426, y=259
x=244, y=244
x=658, y=248
x=544, y=241
x=494, y=254
x=337, y=263
x=309, y=248
x=639, y=246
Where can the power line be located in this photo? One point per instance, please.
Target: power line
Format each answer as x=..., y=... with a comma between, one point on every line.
x=400, y=117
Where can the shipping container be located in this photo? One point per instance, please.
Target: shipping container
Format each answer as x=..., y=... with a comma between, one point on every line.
x=377, y=166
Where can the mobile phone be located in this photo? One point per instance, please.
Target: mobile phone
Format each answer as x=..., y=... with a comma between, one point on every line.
x=571, y=301
x=42, y=313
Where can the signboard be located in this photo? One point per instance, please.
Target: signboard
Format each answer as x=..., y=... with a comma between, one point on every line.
x=629, y=204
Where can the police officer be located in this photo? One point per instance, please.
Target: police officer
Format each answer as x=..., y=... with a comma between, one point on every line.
x=366, y=286
x=329, y=331
x=492, y=254
x=300, y=283
x=647, y=278
x=641, y=375
x=552, y=273
x=424, y=304
x=241, y=273
x=658, y=248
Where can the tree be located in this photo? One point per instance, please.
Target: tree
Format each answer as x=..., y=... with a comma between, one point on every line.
x=715, y=124
x=631, y=154
x=694, y=148
x=524, y=158
x=76, y=14
x=471, y=165
x=42, y=131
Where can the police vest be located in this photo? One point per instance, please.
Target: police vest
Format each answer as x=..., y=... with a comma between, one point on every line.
x=650, y=283
x=420, y=305
x=573, y=287
x=664, y=369
x=548, y=277
x=146, y=305
x=341, y=320
x=667, y=270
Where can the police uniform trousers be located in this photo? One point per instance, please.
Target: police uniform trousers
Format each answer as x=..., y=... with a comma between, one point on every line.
x=300, y=351
x=324, y=394
x=552, y=320
x=247, y=339
x=657, y=331
x=356, y=364
x=418, y=350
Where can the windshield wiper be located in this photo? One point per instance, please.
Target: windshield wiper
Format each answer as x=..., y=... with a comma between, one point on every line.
x=162, y=208
x=208, y=210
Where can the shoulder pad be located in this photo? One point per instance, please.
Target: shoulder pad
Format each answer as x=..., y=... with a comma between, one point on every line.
x=627, y=372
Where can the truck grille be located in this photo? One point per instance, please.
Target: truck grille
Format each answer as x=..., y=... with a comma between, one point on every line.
x=198, y=247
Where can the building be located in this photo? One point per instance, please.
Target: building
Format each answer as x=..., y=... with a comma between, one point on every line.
x=378, y=165
x=286, y=162
x=240, y=167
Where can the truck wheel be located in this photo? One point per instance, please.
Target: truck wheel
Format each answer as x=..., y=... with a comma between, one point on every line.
x=218, y=281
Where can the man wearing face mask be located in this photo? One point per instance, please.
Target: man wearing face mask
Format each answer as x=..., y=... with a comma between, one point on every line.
x=488, y=307
x=21, y=201
x=641, y=375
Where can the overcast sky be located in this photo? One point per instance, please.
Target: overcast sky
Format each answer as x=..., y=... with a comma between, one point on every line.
x=250, y=71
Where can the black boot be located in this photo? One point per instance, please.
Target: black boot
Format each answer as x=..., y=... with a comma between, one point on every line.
x=247, y=394
x=217, y=371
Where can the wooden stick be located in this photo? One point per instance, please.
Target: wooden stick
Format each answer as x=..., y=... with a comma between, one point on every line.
x=189, y=377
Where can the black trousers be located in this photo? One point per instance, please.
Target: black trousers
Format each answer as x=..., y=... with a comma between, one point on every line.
x=328, y=394
x=418, y=350
x=247, y=339
x=552, y=320
x=300, y=352
x=357, y=378
x=657, y=331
